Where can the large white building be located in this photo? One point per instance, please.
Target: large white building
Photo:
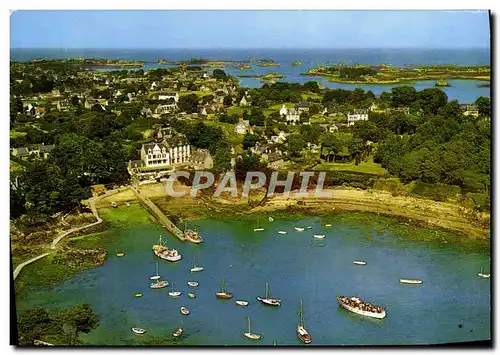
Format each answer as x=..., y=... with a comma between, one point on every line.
x=164, y=154
x=358, y=115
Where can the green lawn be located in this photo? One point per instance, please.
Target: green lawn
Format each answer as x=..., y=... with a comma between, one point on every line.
x=15, y=134
x=278, y=106
x=234, y=138
x=367, y=167
x=199, y=93
x=237, y=110
x=312, y=96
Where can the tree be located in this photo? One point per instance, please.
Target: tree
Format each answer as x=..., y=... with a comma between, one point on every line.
x=366, y=131
x=431, y=100
x=32, y=324
x=357, y=148
x=295, y=143
x=80, y=319
x=249, y=140
x=189, y=103
x=75, y=100
x=247, y=162
x=403, y=96
x=257, y=118
x=331, y=145
x=219, y=74
x=450, y=110
x=222, y=158
x=314, y=109
x=484, y=106
x=227, y=101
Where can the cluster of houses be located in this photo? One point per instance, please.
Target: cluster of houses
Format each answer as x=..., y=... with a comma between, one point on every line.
x=33, y=151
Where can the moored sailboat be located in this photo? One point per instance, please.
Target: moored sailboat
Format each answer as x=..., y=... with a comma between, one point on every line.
x=258, y=229
x=157, y=283
x=195, y=268
x=482, y=275
x=282, y=232
x=299, y=229
x=249, y=334
x=223, y=294
x=174, y=293
x=319, y=236
x=359, y=262
x=302, y=333
x=410, y=281
x=268, y=299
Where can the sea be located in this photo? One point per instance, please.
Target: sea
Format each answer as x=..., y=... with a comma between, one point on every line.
x=451, y=305
x=465, y=91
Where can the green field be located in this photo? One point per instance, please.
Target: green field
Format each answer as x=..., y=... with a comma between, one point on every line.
x=367, y=167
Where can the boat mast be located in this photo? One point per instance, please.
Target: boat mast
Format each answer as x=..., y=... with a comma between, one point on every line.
x=301, y=313
x=267, y=290
x=248, y=324
x=222, y=286
x=157, y=274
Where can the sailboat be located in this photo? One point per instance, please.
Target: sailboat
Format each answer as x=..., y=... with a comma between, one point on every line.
x=258, y=229
x=251, y=335
x=195, y=268
x=174, y=293
x=268, y=299
x=483, y=276
x=223, y=294
x=302, y=333
x=319, y=236
x=299, y=229
x=119, y=253
x=157, y=282
x=178, y=332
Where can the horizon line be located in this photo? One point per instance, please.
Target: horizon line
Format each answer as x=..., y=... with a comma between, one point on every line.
x=216, y=48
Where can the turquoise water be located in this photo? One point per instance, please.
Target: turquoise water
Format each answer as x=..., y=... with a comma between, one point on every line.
x=295, y=267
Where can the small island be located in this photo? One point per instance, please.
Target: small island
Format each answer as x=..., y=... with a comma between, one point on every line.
x=269, y=76
x=385, y=74
x=242, y=66
x=161, y=61
x=442, y=83
x=297, y=63
x=269, y=64
x=94, y=63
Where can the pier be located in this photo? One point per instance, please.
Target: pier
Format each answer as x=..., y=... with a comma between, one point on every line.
x=160, y=216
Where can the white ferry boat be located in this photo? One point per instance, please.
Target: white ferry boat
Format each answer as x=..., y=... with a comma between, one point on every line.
x=165, y=253
x=356, y=305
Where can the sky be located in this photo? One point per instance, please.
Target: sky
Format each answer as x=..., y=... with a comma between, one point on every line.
x=250, y=29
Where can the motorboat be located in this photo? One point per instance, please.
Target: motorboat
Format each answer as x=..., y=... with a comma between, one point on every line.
x=192, y=283
x=268, y=299
x=138, y=330
x=319, y=236
x=251, y=335
x=178, y=332
x=138, y=294
x=165, y=253
x=158, y=284
x=410, y=281
x=328, y=225
x=184, y=311
x=299, y=229
x=356, y=305
x=271, y=219
x=191, y=295
x=281, y=232
x=242, y=303
x=359, y=262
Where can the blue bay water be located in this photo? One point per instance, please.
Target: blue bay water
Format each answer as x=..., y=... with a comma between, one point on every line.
x=462, y=90
x=295, y=267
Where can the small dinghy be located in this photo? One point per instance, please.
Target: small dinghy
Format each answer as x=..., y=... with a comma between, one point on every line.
x=138, y=294
x=328, y=225
x=281, y=232
x=120, y=254
x=258, y=229
x=128, y=204
x=271, y=219
x=319, y=236
x=309, y=227
x=242, y=303
x=138, y=330
x=359, y=262
x=410, y=281
x=191, y=295
x=299, y=229
x=193, y=283
x=184, y=311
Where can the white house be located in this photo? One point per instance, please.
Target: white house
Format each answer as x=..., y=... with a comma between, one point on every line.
x=153, y=86
x=283, y=111
x=243, y=127
x=166, y=96
x=292, y=116
x=358, y=115
x=164, y=154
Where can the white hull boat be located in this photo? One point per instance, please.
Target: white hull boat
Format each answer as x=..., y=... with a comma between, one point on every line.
x=165, y=253
x=251, y=335
x=309, y=227
x=193, y=283
x=281, y=232
x=174, y=293
x=271, y=219
x=328, y=225
x=268, y=299
x=184, y=311
x=138, y=330
x=258, y=229
x=359, y=262
x=242, y=303
x=367, y=313
x=158, y=284
x=319, y=236
x=410, y=282
x=196, y=269
x=483, y=275
x=299, y=229
x=178, y=332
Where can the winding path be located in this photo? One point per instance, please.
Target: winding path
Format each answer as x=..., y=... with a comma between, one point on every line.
x=59, y=238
